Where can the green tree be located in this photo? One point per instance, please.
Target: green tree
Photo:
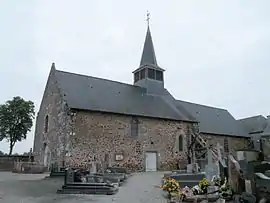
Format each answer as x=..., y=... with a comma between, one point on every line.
x=16, y=120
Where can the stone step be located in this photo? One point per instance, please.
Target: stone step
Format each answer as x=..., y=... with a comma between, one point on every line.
x=89, y=185
x=57, y=174
x=183, y=177
x=88, y=189
x=105, y=179
x=121, y=176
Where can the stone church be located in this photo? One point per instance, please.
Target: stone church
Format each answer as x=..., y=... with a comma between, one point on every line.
x=140, y=126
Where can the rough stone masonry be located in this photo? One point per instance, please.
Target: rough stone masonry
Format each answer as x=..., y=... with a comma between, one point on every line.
x=97, y=135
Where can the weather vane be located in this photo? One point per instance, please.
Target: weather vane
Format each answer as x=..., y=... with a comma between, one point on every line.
x=148, y=17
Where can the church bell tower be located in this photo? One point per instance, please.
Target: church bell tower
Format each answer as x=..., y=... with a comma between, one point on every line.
x=149, y=75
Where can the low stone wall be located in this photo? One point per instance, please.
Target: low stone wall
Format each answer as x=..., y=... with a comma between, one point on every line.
x=28, y=167
x=7, y=162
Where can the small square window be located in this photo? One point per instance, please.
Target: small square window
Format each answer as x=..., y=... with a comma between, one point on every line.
x=151, y=73
x=137, y=76
x=134, y=127
x=159, y=75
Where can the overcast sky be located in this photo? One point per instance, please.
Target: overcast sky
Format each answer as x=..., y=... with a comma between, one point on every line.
x=214, y=52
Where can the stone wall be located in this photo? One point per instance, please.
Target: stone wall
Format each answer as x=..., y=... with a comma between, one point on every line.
x=234, y=143
x=7, y=162
x=99, y=135
x=54, y=106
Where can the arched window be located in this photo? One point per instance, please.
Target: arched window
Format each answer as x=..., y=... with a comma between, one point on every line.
x=134, y=127
x=46, y=124
x=180, y=143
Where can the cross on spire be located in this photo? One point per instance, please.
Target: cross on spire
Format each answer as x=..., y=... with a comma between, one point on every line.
x=148, y=55
x=148, y=17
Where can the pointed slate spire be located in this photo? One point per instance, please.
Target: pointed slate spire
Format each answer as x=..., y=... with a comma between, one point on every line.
x=53, y=66
x=148, y=55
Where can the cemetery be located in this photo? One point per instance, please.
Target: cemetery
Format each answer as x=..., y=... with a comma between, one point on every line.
x=245, y=178
x=225, y=178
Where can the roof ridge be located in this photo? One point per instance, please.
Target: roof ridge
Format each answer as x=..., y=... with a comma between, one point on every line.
x=251, y=117
x=203, y=105
x=104, y=79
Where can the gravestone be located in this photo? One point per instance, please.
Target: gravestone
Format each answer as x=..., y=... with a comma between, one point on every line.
x=248, y=186
x=211, y=168
x=211, y=171
x=223, y=169
x=70, y=176
x=192, y=168
x=96, y=185
x=189, y=168
x=93, y=167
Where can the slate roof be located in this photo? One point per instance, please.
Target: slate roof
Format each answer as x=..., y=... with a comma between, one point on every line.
x=267, y=129
x=213, y=120
x=148, y=55
x=96, y=94
x=254, y=124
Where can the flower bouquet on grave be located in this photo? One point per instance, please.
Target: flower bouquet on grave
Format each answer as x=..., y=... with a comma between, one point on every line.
x=187, y=192
x=172, y=186
x=226, y=191
x=196, y=190
x=203, y=185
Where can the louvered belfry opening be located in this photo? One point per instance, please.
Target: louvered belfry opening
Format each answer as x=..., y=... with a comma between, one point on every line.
x=149, y=75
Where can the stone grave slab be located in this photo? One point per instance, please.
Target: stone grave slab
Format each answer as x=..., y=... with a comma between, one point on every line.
x=96, y=187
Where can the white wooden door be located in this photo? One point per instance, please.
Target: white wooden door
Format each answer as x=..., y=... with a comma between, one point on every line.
x=151, y=161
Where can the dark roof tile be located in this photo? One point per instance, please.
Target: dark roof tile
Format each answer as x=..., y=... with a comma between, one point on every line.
x=96, y=94
x=213, y=120
x=254, y=124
